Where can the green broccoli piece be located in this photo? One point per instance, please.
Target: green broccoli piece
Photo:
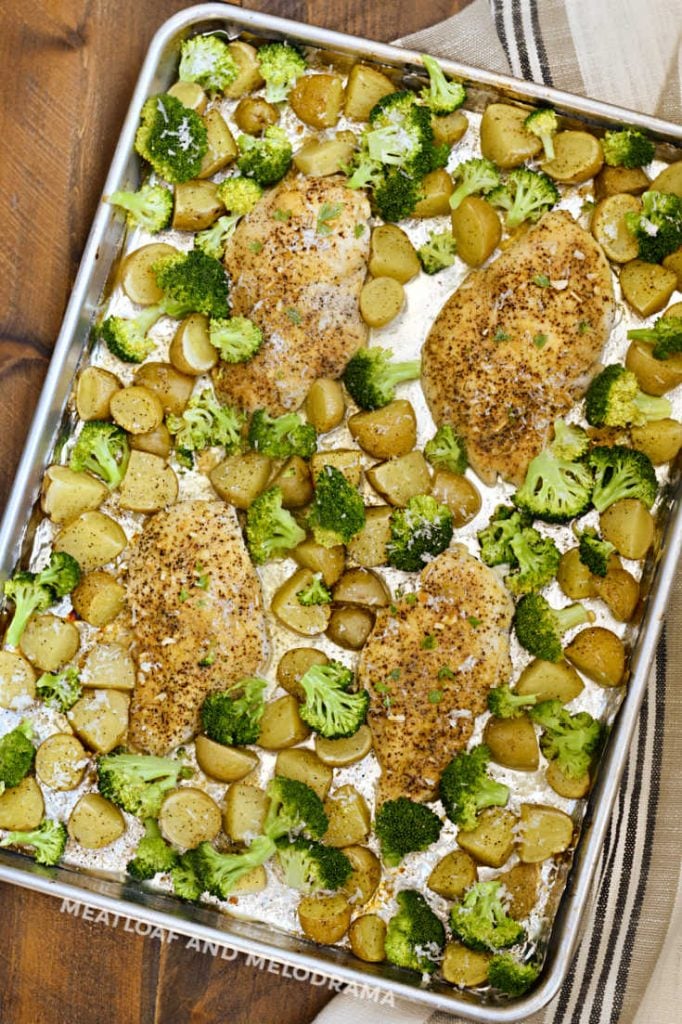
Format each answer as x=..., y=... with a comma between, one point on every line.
x=666, y=334
x=506, y=522
x=555, y=490
x=438, y=252
x=236, y=338
x=503, y=702
x=280, y=437
x=473, y=176
x=48, y=841
x=329, y=708
x=620, y=472
x=539, y=627
x=338, y=511
x=419, y=531
x=466, y=788
x=510, y=975
x=314, y=593
x=61, y=574
x=447, y=450
x=280, y=65
x=570, y=442
x=395, y=194
x=239, y=195
x=206, y=423
x=102, y=449
x=442, y=96
x=172, y=138
x=33, y=592
x=153, y=854
x=594, y=551
x=149, y=208
x=295, y=809
x=138, y=782
x=403, y=826
x=614, y=399
x=535, y=562
x=310, y=866
x=207, y=61
x=232, y=716
x=271, y=531
x=525, y=195
x=17, y=755
x=481, y=922
x=187, y=884
x=415, y=937
x=545, y=124
x=627, y=148
x=59, y=690
x=570, y=740
x=266, y=159
x=371, y=377
x=192, y=282
x=400, y=134
x=212, y=241
x=657, y=227
x=220, y=872
x=127, y=337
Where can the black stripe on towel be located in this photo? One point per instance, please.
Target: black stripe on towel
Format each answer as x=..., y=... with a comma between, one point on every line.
x=540, y=44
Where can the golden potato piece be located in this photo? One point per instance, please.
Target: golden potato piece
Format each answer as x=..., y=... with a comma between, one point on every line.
x=660, y=440
x=245, y=809
x=391, y=254
x=98, y=598
x=308, y=620
x=305, y=766
x=95, y=822
x=254, y=114
x=460, y=495
x=367, y=936
x=544, y=831
x=361, y=586
x=566, y=785
x=349, y=817
x=226, y=764
x=550, y=680
x=319, y=158
x=190, y=95
x=197, y=205
x=93, y=539
x=655, y=376
x=610, y=229
x=365, y=877
x=49, y=642
x=294, y=664
x=253, y=881
x=316, y=557
x=674, y=262
x=156, y=442
x=350, y=627
x=137, y=409
x=65, y=494
x=513, y=743
x=100, y=719
x=22, y=807
x=281, y=725
x=453, y=874
x=465, y=967
x=522, y=883
x=385, y=433
x=613, y=180
x=449, y=128
x=348, y=750
x=188, y=817
x=347, y=460
x=222, y=149
x=436, y=189
x=647, y=286
x=239, y=479
x=94, y=390
x=629, y=526
x=366, y=86
x=368, y=547
x=476, y=229
x=191, y=351
x=249, y=76
x=578, y=156
x=574, y=578
x=620, y=591
x=317, y=100
x=492, y=841
x=324, y=405
x=17, y=681
x=109, y=666
x=381, y=300
x=324, y=918
x=149, y=484
x=504, y=139
x=138, y=280
x=600, y=654
x=171, y=386
x=401, y=478
x=61, y=761
x=669, y=180
x=295, y=483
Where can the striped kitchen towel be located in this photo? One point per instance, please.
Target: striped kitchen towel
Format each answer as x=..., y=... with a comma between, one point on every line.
x=628, y=968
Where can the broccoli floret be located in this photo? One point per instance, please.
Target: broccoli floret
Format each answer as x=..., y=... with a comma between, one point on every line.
x=232, y=716
x=438, y=252
x=620, y=472
x=419, y=531
x=392, y=108
x=192, y=282
x=466, y=788
x=172, y=138
x=102, y=449
x=271, y=531
x=61, y=574
x=329, y=708
x=138, y=782
x=207, y=61
x=239, y=195
x=338, y=511
x=545, y=124
x=212, y=241
x=395, y=195
x=311, y=867
x=266, y=159
x=415, y=937
x=153, y=854
x=314, y=593
x=59, y=690
x=295, y=809
x=280, y=437
x=187, y=884
x=555, y=490
x=535, y=562
x=570, y=740
x=400, y=134
x=280, y=65
x=403, y=826
x=657, y=227
x=503, y=702
x=17, y=755
x=510, y=975
x=442, y=96
x=614, y=399
x=666, y=334
x=149, y=208
x=525, y=195
x=34, y=592
x=506, y=522
x=627, y=148
x=127, y=337
x=481, y=922
x=447, y=450
x=570, y=442
x=205, y=422
x=48, y=841
x=371, y=377
x=220, y=872
x=539, y=627
x=473, y=176
x=236, y=338
x=594, y=551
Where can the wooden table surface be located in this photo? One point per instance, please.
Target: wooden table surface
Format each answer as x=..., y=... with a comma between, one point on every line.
x=70, y=67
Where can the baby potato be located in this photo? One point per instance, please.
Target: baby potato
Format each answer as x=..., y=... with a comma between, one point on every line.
x=401, y=478
x=368, y=547
x=295, y=483
x=149, y=484
x=137, y=278
x=365, y=88
x=610, y=229
x=319, y=158
x=365, y=877
x=522, y=883
x=381, y=300
x=492, y=841
x=350, y=627
x=453, y=874
x=239, y=479
x=316, y=557
x=613, y=180
x=137, y=409
x=109, y=667
x=254, y=114
x=22, y=807
x=599, y=654
x=98, y=598
x=669, y=180
x=317, y=100
x=245, y=809
x=386, y=432
x=647, y=286
x=226, y=764
x=293, y=666
x=620, y=591
x=629, y=526
x=391, y=254
x=94, y=390
x=578, y=156
x=573, y=576
x=197, y=205
x=660, y=440
x=49, y=642
x=308, y=620
x=155, y=442
x=347, y=460
x=566, y=785
x=460, y=495
x=360, y=586
x=191, y=351
x=249, y=76
x=17, y=681
x=190, y=95
x=465, y=967
x=100, y=719
x=61, y=761
x=93, y=539
x=95, y=822
x=222, y=149
x=65, y=493
x=550, y=680
x=367, y=936
x=655, y=376
x=324, y=918
x=504, y=139
x=436, y=188
x=324, y=405
x=347, y=750
x=349, y=818
x=254, y=880
x=674, y=262
x=449, y=128
x=281, y=725
x=172, y=387
x=188, y=817
x=476, y=229
x=513, y=743
x=544, y=831
x=305, y=766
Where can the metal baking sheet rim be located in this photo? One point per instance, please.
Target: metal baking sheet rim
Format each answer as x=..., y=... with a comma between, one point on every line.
x=164, y=912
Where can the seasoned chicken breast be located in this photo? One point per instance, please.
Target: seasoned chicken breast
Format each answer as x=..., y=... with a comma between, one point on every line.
x=197, y=618
x=297, y=264
x=516, y=344
x=428, y=667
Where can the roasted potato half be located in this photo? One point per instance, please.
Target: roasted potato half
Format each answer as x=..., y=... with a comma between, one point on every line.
x=17, y=681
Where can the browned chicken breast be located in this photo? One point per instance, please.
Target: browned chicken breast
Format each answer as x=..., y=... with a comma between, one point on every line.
x=197, y=616
x=297, y=264
x=428, y=668
x=516, y=344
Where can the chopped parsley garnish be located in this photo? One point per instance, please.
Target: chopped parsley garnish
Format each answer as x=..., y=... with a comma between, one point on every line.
x=435, y=696
x=184, y=594
x=541, y=280
x=293, y=315
x=584, y=326
x=382, y=687
x=207, y=660
x=328, y=211
x=501, y=335
x=429, y=643
x=445, y=672
x=411, y=599
x=202, y=578
x=473, y=621
x=540, y=340
x=359, y=230
x=254, y=246
x=283, y=215
x=394, y=675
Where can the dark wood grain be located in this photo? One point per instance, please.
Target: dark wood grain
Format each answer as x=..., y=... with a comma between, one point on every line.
x=69, y=67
